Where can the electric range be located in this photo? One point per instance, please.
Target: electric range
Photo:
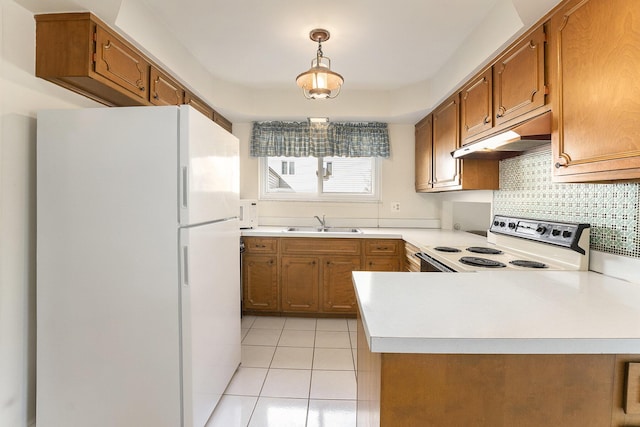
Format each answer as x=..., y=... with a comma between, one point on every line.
x=516, y=244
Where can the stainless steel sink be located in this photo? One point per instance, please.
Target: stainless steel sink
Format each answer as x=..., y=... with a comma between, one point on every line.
x=322, y=230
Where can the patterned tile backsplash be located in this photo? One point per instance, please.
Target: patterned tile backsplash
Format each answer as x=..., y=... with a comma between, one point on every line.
x=613, y=210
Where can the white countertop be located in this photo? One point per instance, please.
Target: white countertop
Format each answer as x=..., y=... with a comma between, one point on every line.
x=499, y=312
x=419, y=237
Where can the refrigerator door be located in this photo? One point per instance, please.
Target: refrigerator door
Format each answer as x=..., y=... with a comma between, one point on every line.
x=210, y=289
x=209, y=170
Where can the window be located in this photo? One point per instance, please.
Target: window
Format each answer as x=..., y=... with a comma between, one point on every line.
x=323, y=178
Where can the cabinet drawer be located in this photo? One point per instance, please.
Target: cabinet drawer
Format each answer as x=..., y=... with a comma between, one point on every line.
x=321, y=246
x=382, y=247
x=260, y=244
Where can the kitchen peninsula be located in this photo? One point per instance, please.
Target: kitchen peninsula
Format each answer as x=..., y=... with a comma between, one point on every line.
x=496, y=349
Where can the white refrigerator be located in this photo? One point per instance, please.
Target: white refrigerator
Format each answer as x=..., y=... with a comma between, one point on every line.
x=138, y=293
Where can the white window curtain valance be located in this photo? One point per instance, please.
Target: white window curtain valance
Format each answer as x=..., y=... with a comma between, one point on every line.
x=303, y=139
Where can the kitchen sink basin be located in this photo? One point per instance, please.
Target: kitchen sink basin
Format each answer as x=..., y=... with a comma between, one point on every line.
x=323, y=230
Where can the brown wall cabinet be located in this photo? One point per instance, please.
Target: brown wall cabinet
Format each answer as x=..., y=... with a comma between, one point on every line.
x=476, y=106
x=596, y=58
x=163, y=89
x=519, y=85
x=81, y=53
x=423, y=154
x=434, y=155
x=511, y=91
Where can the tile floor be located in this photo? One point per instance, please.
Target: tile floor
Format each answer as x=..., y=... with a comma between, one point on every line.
x=295, y=372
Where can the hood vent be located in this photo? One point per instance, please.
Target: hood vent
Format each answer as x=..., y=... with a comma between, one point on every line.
x=511, y=142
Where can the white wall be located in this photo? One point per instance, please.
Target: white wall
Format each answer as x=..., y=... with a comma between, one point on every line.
x=21, y=95
x=397, y=185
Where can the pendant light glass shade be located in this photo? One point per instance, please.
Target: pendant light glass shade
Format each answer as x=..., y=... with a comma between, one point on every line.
x=319, y=82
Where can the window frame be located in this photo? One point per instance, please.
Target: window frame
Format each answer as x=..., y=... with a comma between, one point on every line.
x=319, y=196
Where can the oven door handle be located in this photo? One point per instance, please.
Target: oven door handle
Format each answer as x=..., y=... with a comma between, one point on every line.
x=424, y=258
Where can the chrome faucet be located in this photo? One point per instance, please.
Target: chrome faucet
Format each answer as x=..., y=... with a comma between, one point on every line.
x=322, y=221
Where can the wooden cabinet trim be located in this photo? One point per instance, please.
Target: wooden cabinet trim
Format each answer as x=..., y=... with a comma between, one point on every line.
x=260, y=244
x=163, y=89
x=334, y=246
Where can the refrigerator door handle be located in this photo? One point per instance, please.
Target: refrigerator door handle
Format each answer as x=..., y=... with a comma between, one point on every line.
x=185, y=186
x=185, y=265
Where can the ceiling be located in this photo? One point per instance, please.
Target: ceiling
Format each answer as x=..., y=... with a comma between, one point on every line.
x=374, y=44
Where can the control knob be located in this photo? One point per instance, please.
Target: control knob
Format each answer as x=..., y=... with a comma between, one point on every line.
x=541, y=229
x=566, y=234
x=502, y=224
x=555, y=232
x=512, y=225
x=496, y=223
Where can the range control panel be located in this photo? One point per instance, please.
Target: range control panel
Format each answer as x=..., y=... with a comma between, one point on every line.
x=564, y=234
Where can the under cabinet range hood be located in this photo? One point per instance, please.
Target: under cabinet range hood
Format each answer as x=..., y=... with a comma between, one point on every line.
x=511, y=142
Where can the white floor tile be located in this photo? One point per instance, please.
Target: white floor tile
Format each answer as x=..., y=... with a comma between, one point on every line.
x=327, y=339
x=247, y=321
x=287, y=383
x=337, y=359
x=233, y=411
x=247, y=382
x=353, y=325
x=293, y=338
x=243, y=333
x=257, y=356
x=331, y=413
x=354, y=339
x=300, y=323
x=273, y=412
x=268, y=322
x=332, y=325
x=293, y=358
x=333, y=385
x=262, y=337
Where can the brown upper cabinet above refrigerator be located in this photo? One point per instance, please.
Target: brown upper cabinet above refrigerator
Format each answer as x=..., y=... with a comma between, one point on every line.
x=164, y=89
x=595, y=49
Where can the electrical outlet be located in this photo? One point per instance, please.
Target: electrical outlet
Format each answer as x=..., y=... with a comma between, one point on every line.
x=395, y=206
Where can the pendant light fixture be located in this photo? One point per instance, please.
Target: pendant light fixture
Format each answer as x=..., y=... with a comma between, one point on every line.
x=319, y=82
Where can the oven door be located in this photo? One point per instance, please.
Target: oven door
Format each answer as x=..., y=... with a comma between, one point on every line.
x=428, y=264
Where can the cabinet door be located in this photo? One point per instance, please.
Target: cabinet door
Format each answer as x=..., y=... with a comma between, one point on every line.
x=476, y=106
x=423, y=153
x=164, y=90
x=121, y=64
x=446, y=139
x=260, y=282
x=594, y=46
x=299, y=283
x=338, y=295
x=519, y=79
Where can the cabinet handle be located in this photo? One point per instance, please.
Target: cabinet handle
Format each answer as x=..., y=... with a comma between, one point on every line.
x=142, y=88
x=260, y=246
x=562, y=162
x=501, y=112
x=487, y=120
x=155, y=96
x=381, y=248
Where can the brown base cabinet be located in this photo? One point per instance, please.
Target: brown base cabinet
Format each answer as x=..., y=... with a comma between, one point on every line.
x=493, y=390
x=299, y=283
x=311, y=276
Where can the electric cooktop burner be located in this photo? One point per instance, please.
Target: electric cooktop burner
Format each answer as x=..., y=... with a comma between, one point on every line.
x=446, y=249
x=528, y=263
x=484, y=250
x=481, y=262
